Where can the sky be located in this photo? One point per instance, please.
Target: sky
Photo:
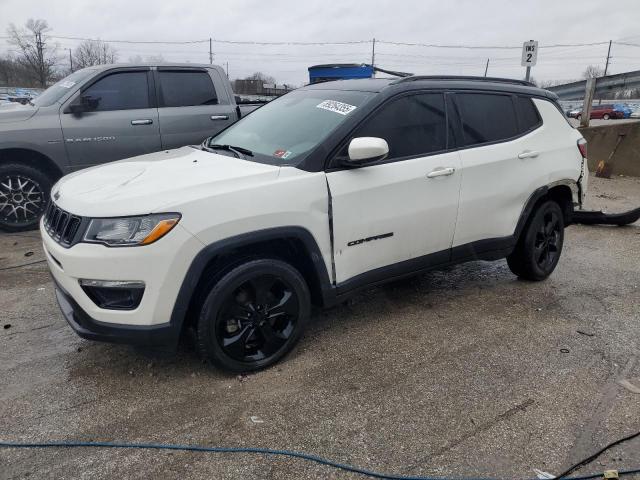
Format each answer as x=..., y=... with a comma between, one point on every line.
x=481, y=23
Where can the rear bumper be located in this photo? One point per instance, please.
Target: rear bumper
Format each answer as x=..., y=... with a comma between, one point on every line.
x=163, y=336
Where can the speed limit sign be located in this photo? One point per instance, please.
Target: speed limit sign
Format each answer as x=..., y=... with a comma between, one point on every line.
x=529, y=53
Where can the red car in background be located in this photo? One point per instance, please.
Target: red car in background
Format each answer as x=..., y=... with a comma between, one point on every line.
x=605, y=112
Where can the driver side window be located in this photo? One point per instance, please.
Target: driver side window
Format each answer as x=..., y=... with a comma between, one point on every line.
x=120, y=91
x=412, y=125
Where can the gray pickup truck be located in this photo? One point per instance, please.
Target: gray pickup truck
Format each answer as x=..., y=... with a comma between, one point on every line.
x=100, y=114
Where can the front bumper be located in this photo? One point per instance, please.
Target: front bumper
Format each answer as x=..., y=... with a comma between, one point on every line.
x=165, y=335
x=162, y=267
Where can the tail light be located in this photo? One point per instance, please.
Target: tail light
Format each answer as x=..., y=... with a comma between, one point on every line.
x=582, y=146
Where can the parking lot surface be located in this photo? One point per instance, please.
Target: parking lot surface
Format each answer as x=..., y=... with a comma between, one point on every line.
x=461, y=372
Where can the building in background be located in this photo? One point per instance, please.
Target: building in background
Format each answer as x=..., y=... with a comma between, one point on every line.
x=339, y=71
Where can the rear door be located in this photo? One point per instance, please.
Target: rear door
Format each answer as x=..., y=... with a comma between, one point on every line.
x=504, y=160
x=389, y=216
x=124, y=123
x=192, y=105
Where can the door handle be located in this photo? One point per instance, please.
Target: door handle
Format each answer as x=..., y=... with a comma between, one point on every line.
x=145, y=121
x=441, y=172
x=219, y=117
x=528, y=154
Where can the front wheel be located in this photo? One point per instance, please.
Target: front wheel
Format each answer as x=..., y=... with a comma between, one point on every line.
x=24, y=193
x=540, y=244
x=254, y=315
x=606, y=116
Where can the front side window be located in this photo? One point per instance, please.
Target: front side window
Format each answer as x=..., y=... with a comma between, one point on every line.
x=486, y=117
x=120, y=91
x=186, y=88
x=412, y=125
x=285, y=130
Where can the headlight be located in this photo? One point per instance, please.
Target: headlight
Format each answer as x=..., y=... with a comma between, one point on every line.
x=129, y=231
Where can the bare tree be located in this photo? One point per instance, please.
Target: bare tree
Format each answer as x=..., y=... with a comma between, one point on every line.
x=37, y=56
x=592, y=71
x=262, y=77
x=148, y=59
x=94, y=52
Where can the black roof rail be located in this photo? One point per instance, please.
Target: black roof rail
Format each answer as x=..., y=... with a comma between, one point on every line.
x=413, y=78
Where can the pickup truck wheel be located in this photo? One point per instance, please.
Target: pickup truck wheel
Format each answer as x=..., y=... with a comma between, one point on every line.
x=540, y=245
x=24, y=193
x=253, y=316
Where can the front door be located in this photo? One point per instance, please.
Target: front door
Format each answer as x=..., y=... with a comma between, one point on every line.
x=398, y=215
x=122, y=123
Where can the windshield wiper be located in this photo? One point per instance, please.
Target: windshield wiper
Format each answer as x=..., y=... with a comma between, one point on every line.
x=230, y=148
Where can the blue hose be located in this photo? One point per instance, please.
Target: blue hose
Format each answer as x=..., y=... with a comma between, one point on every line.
x=259, y=451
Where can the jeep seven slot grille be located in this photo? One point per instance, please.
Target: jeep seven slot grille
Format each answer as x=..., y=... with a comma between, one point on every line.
x=60, y=225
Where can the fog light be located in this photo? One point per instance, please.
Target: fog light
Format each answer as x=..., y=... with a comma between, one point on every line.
x=114, y=294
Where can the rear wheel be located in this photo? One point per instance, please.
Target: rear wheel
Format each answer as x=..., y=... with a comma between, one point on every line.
x=24, y=193
x=606, y=116
x=253, y=316
x=540, y=244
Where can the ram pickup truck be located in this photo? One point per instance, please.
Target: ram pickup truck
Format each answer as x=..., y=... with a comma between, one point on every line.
x=100, y=114
x=326, y=190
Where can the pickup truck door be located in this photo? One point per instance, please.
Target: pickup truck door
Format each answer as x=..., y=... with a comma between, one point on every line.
x=120, y=120
x=397, y=215
x=193, y=105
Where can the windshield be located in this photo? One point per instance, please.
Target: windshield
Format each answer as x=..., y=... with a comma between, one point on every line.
x=56, y=91
x=285, y=130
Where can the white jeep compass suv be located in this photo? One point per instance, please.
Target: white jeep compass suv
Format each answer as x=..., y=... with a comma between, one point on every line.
x=330, y=188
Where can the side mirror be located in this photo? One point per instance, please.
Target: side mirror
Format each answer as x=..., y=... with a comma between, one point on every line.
x=363, y=150
x=84, y=103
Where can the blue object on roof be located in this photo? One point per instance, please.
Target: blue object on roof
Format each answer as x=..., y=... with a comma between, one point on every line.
x=339, y=71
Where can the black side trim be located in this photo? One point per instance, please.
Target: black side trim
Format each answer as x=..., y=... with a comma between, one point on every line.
x=528, y=208
x=199, y=263
x=165, y=335
x=489, y=249
x=393, y=272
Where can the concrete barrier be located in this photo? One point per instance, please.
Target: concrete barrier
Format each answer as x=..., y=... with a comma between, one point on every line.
x=602, y=141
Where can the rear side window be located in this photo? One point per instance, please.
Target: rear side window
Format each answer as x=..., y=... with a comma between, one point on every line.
x=528, y=116
x=486, y=117
x=186, y=89
x=120, y=91
x=411, y=125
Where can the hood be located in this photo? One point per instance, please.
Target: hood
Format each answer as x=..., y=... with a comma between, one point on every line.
x=156, y=182
x=16, y=112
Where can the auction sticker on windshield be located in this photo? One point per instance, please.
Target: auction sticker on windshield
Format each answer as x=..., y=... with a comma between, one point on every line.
x=337, y=107
x=282, y=153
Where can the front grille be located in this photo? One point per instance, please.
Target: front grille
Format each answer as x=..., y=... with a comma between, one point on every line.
x=62, y=226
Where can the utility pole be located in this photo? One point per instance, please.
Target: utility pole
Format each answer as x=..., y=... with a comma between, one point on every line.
x=227, y=63
x=373, y=55
x=40, y=54
x=606, y=65
x=210, y=50
x=70, y=60
x=486, y=68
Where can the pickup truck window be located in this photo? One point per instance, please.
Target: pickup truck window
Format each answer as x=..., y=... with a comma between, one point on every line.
x=120, y=91
x=185, y=89
x=56, y=91
x=285, y=130
x=486, y=117
x=411, y=125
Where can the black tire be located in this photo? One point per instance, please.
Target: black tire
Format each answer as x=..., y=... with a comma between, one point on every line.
x=578, y=117
x=606, y=116
x=24, y=194
x=264, y=305
x=540, y=244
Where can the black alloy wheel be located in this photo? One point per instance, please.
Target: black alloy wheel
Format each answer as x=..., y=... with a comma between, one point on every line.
x=253, y=315
x=546, y=248
x=540, y=244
